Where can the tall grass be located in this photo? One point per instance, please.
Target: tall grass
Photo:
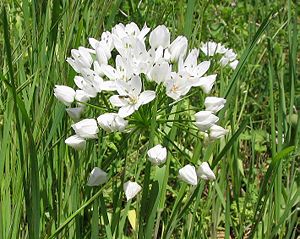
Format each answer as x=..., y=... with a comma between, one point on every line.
x=43, y=192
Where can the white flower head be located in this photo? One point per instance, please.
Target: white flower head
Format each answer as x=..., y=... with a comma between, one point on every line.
x=217, y=132
x=204, y=172
x=130, y=97
x=97, y=177
x=188, y=174
x=131, y=189
x=160, y=36
x=112, y=122
x=157, y=155
x=205, y=120
x=86, y=128
x=214, y=104
x=64, y=94
x=76, y=142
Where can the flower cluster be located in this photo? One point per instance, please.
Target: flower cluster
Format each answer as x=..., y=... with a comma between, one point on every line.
x=119, y=65
x=228, y=55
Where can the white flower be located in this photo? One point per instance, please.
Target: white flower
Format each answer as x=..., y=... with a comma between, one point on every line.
x=131, y=189
x=211, y=48
x=131, y=29
x=178, y=48
x=206, y=83
x=193, y=71
x=97, y=177
x=188, y=174
x=160, y=36
x=217, y=132
x=64, y=94
x=177, y=86
x=214, y=104
x=86, y=128
x=81, y=96
x=228, y=57
x=130, y=97
x=234, y=64
x=103, y=48
x=112, y=122
x=161, y=72
x=204, y=172
x=76, y=142
x=205, y=120
x=157, y=155
x=91, y=83
x=81, y=59
x=123, y=70
x=75, y=113
x=191, y=66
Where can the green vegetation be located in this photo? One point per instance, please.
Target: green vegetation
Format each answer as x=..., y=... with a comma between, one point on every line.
x=43, y=192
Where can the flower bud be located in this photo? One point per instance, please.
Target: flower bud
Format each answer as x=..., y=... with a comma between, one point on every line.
x=131, y=189
x=75, y=113
x=64, y=94
x=188, y=174
x=204, y=172
x=97, y=177
x=214, y=104
x=112, y=122
x=76, y=142
x=205, y=120
x=86, y=128
x=234, y=64
x=157, y=155
x=178, y=48
x=217, y=132
x=160, y=36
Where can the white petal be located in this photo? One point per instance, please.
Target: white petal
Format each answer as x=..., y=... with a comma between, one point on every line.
x=75, y=113
x=202, y=68
x=205, y=120
x=157, y=154
x=136, y=85
x=126, y=111
x=214, y=104
x=206, y=83
x=234, y=64
x=204, y=172
x=217, y=132
x=188, y=174
x=109, y=85
x=118, y=101
x=110, y=72
x=146, y=96
x=86, y=128
x=64, y=94
x=97, y=177
x=131, y=189
x=76, y=142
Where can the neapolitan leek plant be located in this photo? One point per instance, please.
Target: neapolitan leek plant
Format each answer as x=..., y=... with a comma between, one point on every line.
x=142, y=72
